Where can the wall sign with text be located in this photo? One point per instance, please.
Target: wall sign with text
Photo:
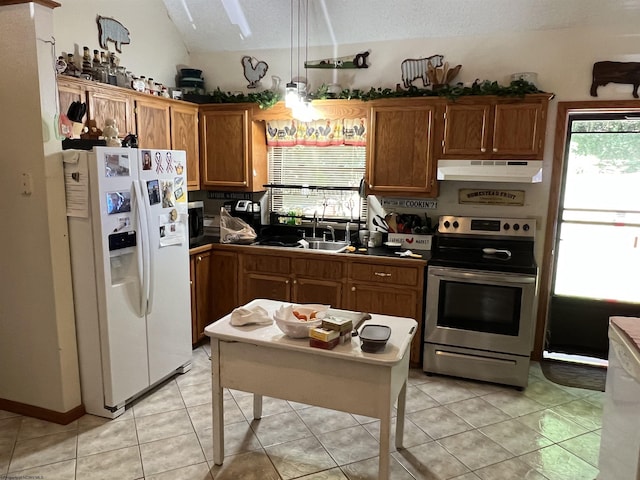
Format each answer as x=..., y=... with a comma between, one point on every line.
x=491, y=197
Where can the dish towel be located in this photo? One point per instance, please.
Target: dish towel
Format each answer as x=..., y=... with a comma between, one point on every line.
x=250, y=316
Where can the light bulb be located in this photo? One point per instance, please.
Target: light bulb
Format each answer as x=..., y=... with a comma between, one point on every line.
x=291, y=98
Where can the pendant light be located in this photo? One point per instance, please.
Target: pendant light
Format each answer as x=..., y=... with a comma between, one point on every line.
x=291, y=90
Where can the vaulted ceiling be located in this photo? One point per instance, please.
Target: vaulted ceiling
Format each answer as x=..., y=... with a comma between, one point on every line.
x=233, y=25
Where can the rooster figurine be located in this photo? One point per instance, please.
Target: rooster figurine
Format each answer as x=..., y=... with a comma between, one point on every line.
x=253, y=73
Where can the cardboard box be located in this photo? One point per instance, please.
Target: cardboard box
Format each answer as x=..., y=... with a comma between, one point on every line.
x=412, y=241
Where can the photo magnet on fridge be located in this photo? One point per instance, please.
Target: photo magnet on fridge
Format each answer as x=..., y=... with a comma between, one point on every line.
x=154, y=192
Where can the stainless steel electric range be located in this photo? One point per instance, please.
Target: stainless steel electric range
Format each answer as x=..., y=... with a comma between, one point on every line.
x=481, y=289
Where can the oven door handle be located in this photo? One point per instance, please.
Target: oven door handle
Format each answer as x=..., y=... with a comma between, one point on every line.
x=507, y=279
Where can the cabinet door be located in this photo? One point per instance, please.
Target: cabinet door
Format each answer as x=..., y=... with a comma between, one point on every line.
x=225, y=154
x=224, y=271
x=518, y=129
x=68, y=93
x=152, y=124
x=272, y=287
x=111, y=104
x=466, y=129
x=390, y=301
x=194, y=310
x=385, y=300
x=400, y=150
x=204, y=293
x=184, y=136
x=310, y=290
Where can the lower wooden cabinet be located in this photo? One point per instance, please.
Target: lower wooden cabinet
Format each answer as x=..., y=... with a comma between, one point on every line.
x=365, y=284
x=379, y=286
x=214, y=280
x=299, y=280
x=201, y=294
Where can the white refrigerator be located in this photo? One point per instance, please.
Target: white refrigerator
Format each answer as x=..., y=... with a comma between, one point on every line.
x=128, y=236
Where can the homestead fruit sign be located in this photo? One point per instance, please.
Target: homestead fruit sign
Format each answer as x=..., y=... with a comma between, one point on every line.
x=491, y=197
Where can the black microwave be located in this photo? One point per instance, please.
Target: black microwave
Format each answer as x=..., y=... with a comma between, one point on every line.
x=196, y=222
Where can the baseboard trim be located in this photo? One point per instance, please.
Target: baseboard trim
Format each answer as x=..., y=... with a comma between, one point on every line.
x=63, y=418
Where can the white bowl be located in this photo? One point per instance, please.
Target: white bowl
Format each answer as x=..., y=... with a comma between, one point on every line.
x=294, y=327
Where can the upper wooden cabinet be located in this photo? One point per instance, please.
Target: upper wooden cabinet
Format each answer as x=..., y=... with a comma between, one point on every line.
x=492, y=127
x=153, y=123
x=158, y=122
x=110, y=103
x=234, y=151
x=400, y=148
x=184, y=136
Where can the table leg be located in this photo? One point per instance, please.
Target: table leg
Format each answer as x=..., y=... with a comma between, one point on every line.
x=257, y=406
x=385, y=440
x=217, y=404
x=402, y=400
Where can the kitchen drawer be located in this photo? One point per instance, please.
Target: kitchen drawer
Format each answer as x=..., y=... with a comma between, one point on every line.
x=266, y=264
x=327, y=269
x=387, y=274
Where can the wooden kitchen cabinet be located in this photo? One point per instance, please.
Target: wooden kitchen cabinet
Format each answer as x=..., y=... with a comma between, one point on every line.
x=494, y=128
x=381, y=286
x=292, y=279
x=184, y=136
x=234, y=152
x=153, y=123
x=70, y=91
x=400, y=157
x=158, y=122
x=202, y=294
x=214, y=288
x=105, y=103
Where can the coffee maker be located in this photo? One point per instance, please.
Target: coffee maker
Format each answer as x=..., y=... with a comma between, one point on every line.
x=246, y=210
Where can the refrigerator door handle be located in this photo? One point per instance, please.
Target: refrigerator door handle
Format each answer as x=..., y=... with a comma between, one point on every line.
x=150, y=257
x=143, y=228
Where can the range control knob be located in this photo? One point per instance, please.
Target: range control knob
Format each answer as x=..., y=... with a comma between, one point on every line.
x=446, y=224
x=506, y=226
x=526, y=227
x=455, y=224
x=516, y=227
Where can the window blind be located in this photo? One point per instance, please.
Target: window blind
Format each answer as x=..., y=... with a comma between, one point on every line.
x=301, y=169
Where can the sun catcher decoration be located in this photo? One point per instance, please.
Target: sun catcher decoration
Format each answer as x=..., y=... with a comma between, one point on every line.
x=615, y=72
x=253, y=70
x=111, y=30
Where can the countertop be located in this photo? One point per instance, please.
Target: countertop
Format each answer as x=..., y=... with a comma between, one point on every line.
x=207, y=242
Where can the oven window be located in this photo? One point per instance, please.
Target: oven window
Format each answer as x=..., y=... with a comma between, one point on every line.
x=480, y=308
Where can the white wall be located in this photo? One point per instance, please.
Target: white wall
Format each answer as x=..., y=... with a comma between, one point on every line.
x=156, y=49
x=37, y=331
x=562, y=58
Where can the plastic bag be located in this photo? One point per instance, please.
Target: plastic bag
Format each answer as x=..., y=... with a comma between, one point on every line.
x=235, y=230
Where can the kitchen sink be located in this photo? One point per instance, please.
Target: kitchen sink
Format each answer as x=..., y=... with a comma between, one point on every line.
x=327, y=245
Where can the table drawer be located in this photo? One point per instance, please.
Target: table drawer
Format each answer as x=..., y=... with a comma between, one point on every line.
x=386, y=274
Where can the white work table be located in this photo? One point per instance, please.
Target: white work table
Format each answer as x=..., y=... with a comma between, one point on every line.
x=262, y=360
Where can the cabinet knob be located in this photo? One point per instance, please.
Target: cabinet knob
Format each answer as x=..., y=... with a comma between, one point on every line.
x=199, y=258
x=483, y=149
x=382, y=274
x=353, y=289
x=286, y=282
x=190, y=282
x=295, y=281
x=495, y=149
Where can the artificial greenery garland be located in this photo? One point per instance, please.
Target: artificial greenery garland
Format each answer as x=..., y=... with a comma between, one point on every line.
x=268, y=98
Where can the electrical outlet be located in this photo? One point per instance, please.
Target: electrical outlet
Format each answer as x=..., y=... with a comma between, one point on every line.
x=27, y=184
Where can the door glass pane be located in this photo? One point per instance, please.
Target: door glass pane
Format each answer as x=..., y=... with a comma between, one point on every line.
x=599, y=262
x=598, y=250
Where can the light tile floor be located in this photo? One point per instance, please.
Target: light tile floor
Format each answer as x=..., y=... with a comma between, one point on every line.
x=455, y=429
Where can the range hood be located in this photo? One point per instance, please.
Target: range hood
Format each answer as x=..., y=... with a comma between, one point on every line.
x=512, y=171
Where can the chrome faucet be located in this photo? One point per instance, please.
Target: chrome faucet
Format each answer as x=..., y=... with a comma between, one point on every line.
x=333, y=233
x=315, y=223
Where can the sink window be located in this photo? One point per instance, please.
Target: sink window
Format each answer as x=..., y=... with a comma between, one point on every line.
x=317, y=180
